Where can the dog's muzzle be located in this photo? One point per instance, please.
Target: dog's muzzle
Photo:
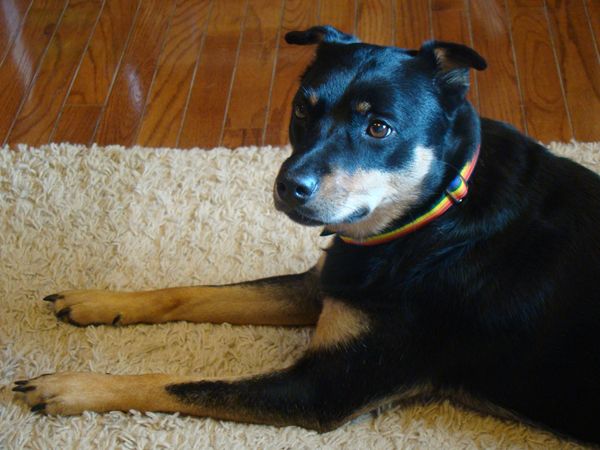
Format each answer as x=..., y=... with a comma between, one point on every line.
x=293, y=192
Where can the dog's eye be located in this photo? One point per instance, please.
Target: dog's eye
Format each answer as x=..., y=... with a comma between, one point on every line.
x=300, y=111
x=379, y=129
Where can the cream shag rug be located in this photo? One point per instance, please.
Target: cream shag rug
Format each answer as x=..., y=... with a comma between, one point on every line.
x=75, y=217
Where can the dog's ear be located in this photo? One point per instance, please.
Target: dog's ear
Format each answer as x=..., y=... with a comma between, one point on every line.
x=319, y=34
x=452, y=63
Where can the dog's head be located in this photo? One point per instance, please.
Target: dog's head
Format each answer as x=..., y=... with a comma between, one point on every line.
x=371, y=129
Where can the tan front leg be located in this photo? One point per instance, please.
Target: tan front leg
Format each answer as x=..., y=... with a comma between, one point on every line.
x=70, y=393
x=287, y=300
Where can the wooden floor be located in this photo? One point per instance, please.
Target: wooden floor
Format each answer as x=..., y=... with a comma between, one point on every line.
x=186, y=73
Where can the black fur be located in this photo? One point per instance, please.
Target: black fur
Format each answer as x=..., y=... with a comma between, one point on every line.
x=499, y=297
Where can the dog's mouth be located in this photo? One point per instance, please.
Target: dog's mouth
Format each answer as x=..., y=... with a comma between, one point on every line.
x=357, y=215
x=308, y=219
x=303, y=219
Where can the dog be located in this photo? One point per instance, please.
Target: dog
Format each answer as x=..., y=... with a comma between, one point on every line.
x=465, y=263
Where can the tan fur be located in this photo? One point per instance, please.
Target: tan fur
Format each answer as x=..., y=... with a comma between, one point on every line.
x=383, y=404
x=339, y=324
x=388, y=194
x=237, y=304
x=468, y=401
x=363, y=107
x=441, y=58
x=446, y=64
x=70, y=393
x=313, y=99
x=320, y=263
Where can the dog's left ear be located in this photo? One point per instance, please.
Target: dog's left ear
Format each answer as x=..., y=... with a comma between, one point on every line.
x=319, y=34
x=452, y=64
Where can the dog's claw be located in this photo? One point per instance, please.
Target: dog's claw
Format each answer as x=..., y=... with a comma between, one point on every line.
x=63, y=312
x=52, y=298
x=21, y=382
x=117, y=319
x=23, y=388
x=40, y=407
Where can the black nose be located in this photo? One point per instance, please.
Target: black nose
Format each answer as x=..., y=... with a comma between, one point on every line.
x=297, y=189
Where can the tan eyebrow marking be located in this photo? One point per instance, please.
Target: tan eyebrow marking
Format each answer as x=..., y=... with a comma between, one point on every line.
x=309, y=94
x=363, y=107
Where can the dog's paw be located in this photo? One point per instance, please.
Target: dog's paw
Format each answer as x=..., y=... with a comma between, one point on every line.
x=92, y=307
x=65, y=393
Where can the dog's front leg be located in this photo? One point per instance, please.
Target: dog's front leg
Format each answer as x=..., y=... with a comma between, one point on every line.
x=282, y=398
x=333, y=382
x=284, y=300
x=312, y=394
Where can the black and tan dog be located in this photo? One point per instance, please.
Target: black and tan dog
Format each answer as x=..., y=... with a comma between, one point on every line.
x=466, y=263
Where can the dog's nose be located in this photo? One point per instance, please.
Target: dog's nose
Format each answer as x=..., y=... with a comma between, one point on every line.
x=296, y=190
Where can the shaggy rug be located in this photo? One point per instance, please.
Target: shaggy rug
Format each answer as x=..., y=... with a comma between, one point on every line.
x=75, y=217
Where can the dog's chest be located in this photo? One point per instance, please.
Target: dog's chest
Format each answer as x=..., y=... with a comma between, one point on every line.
x=406, y=270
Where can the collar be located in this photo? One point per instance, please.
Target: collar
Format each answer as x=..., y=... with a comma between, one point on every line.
x=455, y=192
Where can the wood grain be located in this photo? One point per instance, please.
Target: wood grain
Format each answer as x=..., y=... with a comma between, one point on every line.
x=35, y=122
x=77, y=124
x=96, y=73
x=12, y=16
x=376, y=23
x=579, y=66
x=101, y=59
x=203, y=123
x=24, y=56
x=247, y=109
x=168, y=98
x=339, y=13
x=291, y=62
x=451, y=22
x=413, y=23
x=545, y=112
x=126, y=101
x=499, y=95
x=186, y=73
x=592, y=8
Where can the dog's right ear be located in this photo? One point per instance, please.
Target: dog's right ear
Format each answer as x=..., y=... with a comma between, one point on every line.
x=319, y=34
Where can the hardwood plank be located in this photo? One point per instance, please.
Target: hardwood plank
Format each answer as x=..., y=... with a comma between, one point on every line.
x=376, y=21
x=101, y=59
x=450, y=20
x=77, y=124
x=291, y=62
x=526, y=3
x=35, y=122
x=24, y=57
x=168, y=97
x=579, y=66
x=543, y=74
x=545, y=112
x=203, y=123
x=12, y=16
x=413, y=23
x=96, y=73
x=339, y=13
x=593, y=12
x=499, y=96
x=126, y=101
x=250, y=94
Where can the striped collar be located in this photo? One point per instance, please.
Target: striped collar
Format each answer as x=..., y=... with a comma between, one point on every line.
x=454, y=193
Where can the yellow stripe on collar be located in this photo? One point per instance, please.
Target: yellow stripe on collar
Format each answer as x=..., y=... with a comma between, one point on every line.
x=456, y=191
